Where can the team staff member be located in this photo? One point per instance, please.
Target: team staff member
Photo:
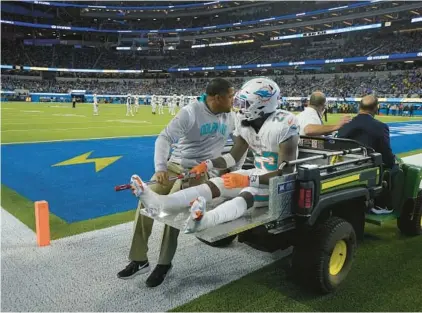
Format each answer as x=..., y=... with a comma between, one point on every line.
x=201, y=130
x=310, y=120
x=372, y=133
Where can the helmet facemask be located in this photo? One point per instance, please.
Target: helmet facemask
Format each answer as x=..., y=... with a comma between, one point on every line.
x=256, y=99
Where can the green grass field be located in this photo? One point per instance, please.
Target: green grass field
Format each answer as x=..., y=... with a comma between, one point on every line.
x=28, y=122
x=387, y=273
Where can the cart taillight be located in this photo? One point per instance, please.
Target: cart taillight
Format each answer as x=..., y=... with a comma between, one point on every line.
x=305, y=198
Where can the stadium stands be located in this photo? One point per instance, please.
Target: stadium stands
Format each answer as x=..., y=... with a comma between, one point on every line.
x=400, y=84
x=340, y=46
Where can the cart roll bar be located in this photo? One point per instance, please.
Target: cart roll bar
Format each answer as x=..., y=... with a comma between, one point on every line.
x=322, y=156
x=323, y=167
x=340, y=140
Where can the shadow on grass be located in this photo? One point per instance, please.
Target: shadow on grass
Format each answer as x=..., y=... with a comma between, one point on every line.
x=386, y=276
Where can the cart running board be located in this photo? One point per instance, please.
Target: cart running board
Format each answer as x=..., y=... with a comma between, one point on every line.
x=256, y=217
x=379, y=219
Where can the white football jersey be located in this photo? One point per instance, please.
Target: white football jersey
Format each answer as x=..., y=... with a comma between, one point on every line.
x=174, y=100
x=279, y=126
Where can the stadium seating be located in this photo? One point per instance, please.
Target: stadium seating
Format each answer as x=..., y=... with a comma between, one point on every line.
x=400, y=84
x=70, y=57
x=336, y=81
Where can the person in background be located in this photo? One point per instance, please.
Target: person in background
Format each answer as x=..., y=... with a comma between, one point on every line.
x=310, y=121
x=95, y=105
x=129, y=105
x=371, y=133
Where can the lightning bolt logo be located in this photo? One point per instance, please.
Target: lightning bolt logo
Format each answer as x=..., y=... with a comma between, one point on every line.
x=100, y=163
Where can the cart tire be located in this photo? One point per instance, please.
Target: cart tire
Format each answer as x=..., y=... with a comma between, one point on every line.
x=410, y=219
x=325, y=258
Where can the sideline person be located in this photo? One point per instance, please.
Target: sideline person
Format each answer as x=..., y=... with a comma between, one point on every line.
x=310, y=120
x=374, y=134
x=200, y=131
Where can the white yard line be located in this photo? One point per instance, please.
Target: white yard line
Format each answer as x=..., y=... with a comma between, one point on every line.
x=57, y=118
x=31, y=111
x=78, y=273
x=56, y=122
x=77, y=139
x=73, y=128
x=80, y=122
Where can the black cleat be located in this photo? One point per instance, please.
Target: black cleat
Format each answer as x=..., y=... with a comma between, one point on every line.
x=158, y=275
x=134, y=268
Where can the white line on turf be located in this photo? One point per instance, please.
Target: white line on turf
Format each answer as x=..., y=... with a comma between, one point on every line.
x=66, y=129
x=50, y=123
x=76, y=139
x=128, y=121
x=415, y=159
x=69, y=115
x=55, y=121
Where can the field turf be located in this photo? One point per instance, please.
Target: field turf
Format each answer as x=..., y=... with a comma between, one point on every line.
x=38, y=122
x=386, y=276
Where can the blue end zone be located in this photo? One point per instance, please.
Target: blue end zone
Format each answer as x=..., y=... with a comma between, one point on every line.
x=77, y=192
x=405, y=137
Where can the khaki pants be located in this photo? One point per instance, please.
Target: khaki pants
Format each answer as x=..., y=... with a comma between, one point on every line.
x=143, y=224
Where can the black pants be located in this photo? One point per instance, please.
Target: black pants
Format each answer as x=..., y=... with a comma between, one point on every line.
x=385, y=199
x=74, y=104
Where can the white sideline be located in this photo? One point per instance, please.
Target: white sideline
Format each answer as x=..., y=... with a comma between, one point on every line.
x=78, y=273
x=415, y=160
x=73, y=128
